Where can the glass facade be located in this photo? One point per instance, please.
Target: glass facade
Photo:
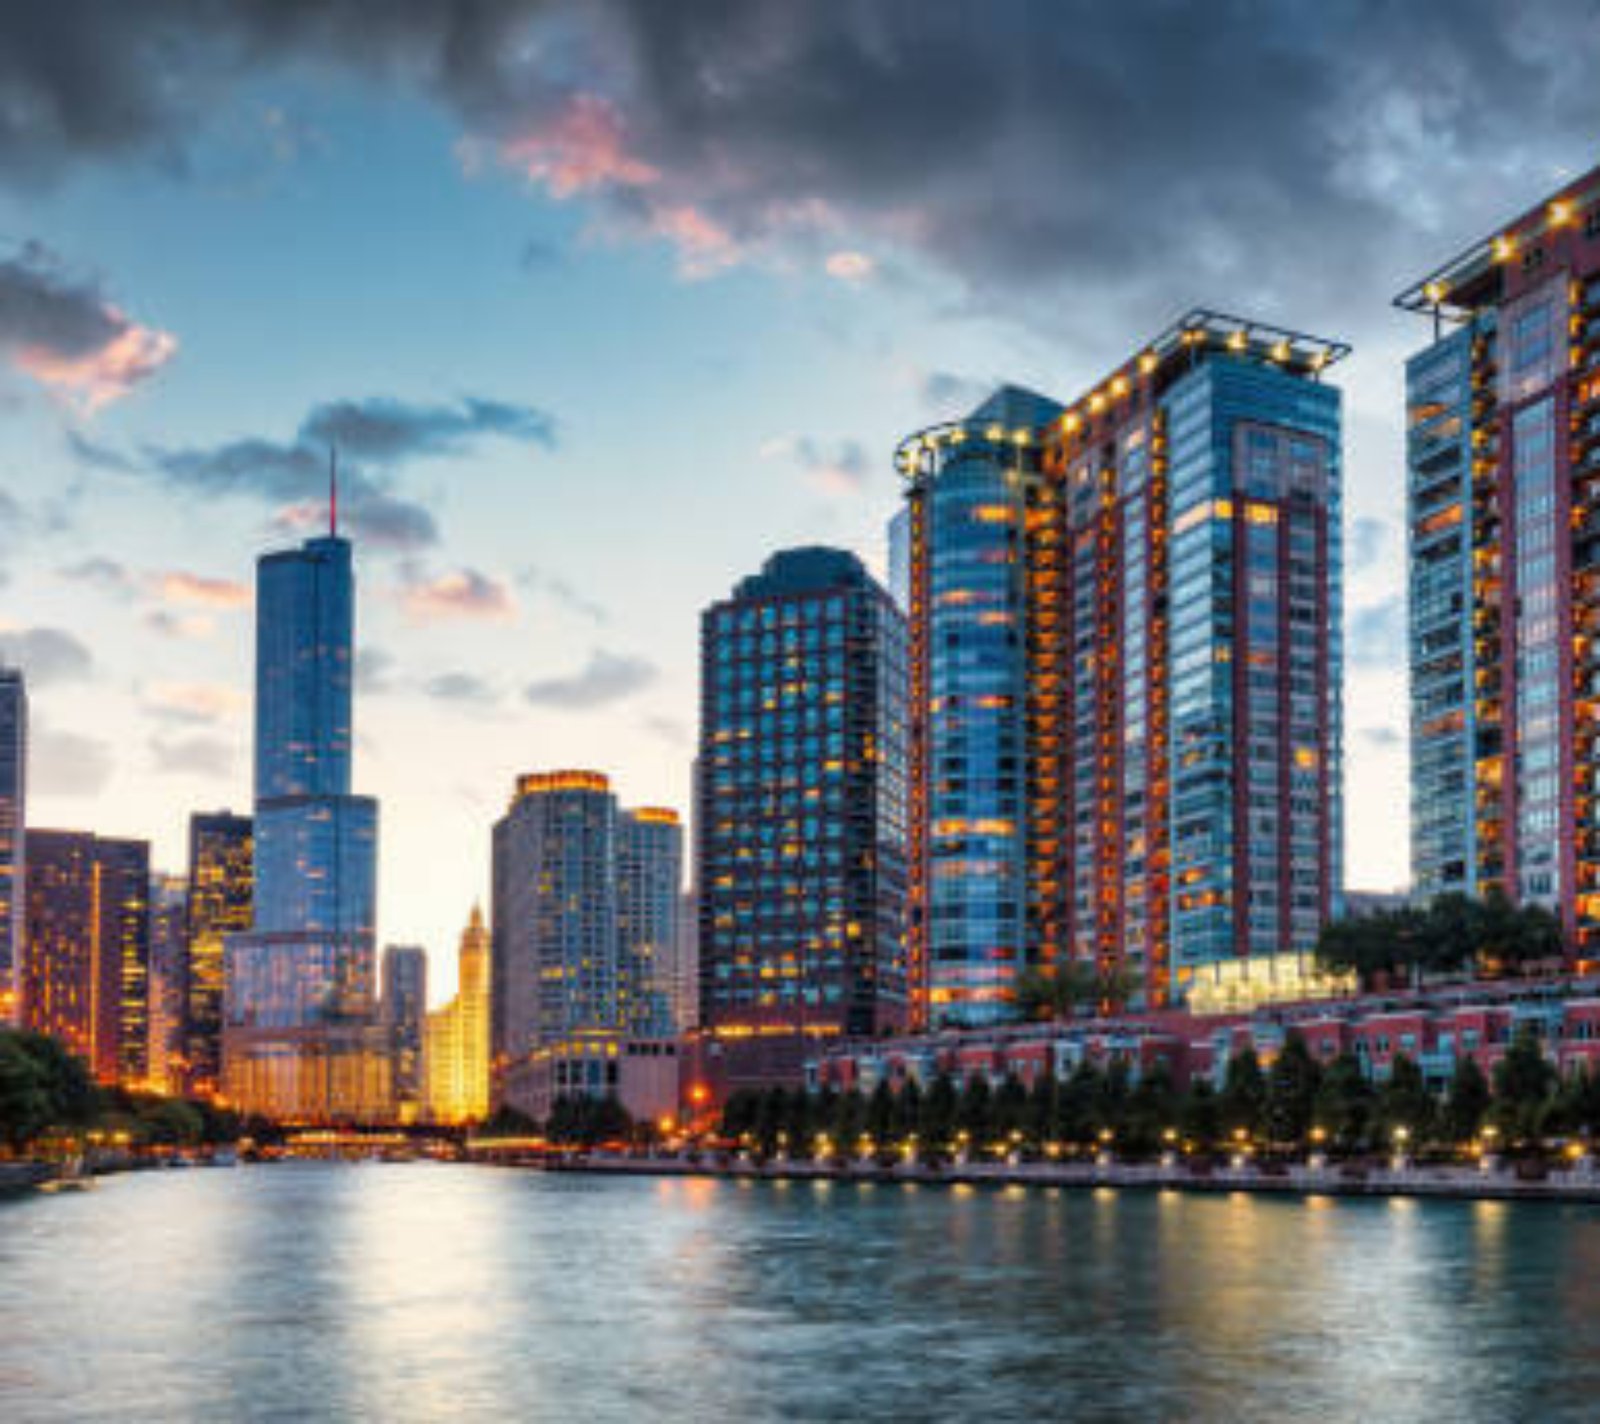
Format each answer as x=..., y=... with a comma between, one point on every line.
x=1126, y=655
x=220, y=893
x=649, y=900
x=801, y=807
x=300, y=984
x=1503, y=466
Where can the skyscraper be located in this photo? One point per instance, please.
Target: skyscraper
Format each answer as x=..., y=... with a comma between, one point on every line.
x=86, y=949
x=1503, y=456
x=169, y=971
x=555, y=981
x=13, y=820
x=300, y=1038
x=405, y=1006
x=800, y=812
x=649, y=890
x=456, y=1043
x=221, y=891
x=1125, y=647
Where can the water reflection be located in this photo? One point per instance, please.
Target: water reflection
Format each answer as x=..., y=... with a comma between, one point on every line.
x=427, y=1292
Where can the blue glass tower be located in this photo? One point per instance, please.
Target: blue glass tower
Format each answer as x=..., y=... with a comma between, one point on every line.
x=300, y=1010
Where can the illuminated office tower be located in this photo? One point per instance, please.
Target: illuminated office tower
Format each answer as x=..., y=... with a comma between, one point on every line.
x=405, y=1006
x=169, y=942
x=13, y=818
x=555, y=980
x=1503, y=489
x=221, y=891
x=1125, y=649
x=300, y=1038
x=800, y=813
x=649, y=891
x=456, y=1040
x=86, y=949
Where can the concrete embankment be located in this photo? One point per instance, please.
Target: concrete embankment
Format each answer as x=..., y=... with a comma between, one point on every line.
x=1468, y=1183
x=23, y=1176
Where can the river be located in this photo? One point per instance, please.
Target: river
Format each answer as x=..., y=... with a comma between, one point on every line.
x=433, y=1292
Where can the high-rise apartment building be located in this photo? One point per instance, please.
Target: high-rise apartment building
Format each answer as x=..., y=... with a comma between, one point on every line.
x=169, y=971
x=300, y=1040
x=1503, y=490
x=456, y=1042
x=86, y=949
x=221, y=893
x=800, y=812
x=649, y=899
x=405, y=1007
x=578, y=921
x=13, y=820
x=1125, y=651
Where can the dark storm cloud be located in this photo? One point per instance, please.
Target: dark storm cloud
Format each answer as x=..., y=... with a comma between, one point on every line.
x=1141, y=155
x=373, y=437
x=604, y=679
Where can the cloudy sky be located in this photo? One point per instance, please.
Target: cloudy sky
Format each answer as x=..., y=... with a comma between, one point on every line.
x=603, y=303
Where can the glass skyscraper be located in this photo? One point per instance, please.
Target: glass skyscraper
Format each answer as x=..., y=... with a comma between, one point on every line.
x=649, y=901
x=220, y=892
x=1125, y=652
x=299, y=1040
x=13, y=820
x=1503, y=488
x=800, y=812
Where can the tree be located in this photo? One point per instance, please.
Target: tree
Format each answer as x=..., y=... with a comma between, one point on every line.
x=1152, y=1111
x=1039, y=1124
x=42, y=1086
x=1405, y=1106
x=974, y=1115
x=1466, y=1103
x=1292, y=1087
x=1200, y=1116
x=1010, y=1107
x=1055, y=991
x=881, y=1113
x=1523, y=1080
x=1076, y=1102
x=1244, y=1094
x=937, y=1123
x=1344, y=1103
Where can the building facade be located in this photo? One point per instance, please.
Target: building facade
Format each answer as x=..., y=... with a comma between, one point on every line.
x=169, y=954
x=649, y=901
x=13, y=821
x=405, y=1010
x=301, y=1041
x=800, y=817
x=86, y=950
x=1503, y=491
x=456, y=1043
x=220, y=896
x=1126, y=747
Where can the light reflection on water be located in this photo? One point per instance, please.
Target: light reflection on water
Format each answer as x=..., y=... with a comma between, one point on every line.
x=433, y=1292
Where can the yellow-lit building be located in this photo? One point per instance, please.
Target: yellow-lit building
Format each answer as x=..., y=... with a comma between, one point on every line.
x=455, y=1048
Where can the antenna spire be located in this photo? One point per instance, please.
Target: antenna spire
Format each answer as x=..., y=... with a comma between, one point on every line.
x=333, y=491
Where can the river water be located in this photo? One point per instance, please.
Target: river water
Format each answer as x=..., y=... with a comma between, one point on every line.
x=432, y=1292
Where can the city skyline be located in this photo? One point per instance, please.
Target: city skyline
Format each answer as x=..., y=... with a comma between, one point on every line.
x=508, y=492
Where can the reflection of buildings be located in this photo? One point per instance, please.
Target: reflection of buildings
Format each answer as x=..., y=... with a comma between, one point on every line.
x=1125, y=651
x=221, y=889
x=168, y=977
x=456, y=1042
x=13, y=818
x=405, y=1005
x=86, y=950
x=800, y=813
x=300, y=1040
x=581, y=915
x=1503, y=449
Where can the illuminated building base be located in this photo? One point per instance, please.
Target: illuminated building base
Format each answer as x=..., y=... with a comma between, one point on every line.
x=317, y=1076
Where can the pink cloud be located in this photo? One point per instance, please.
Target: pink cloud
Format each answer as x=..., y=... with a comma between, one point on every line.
x=203, y=592
x=849, y=266
x=104, y=373
x=583, y=147
x=462, y=593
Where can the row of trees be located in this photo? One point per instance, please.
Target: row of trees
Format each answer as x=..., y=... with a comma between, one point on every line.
x=45, y=1092
x=577, y=1121
x=1290, y=1107
x=1453, y=933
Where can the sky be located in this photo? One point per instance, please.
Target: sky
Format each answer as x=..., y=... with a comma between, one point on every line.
x=604, y=303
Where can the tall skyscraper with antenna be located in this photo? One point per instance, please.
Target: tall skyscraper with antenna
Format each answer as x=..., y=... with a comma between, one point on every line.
x=300, y=1038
